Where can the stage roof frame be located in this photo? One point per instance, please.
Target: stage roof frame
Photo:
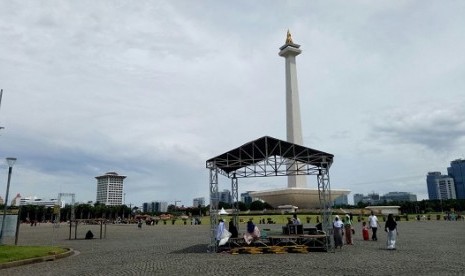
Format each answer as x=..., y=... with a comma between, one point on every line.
x=268, y=156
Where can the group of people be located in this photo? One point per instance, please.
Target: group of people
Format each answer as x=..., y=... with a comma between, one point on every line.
x=344, y=228
x=294, y=220
x=222, y=234
x=341, y=228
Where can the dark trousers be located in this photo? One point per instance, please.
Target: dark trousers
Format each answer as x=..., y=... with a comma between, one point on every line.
x=374, y=237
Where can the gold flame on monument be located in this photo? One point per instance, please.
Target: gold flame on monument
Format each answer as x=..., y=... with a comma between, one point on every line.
x=289, y=38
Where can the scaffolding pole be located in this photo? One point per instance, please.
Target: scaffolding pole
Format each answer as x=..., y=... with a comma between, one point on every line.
x=235, y=199
x=214, y=199
x=324, y=191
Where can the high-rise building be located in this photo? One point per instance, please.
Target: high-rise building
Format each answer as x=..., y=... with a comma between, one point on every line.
x=110, y=189
x=148, y=207
x=154, y=206
x=440, y=186
x=225, y=196
x=246, y=198
x=161, y=206
x=446, y=188
x=432, y=184
x=198, y=201
x=457, y=172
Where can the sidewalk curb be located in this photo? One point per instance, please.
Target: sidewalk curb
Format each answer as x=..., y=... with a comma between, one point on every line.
x=51, y=257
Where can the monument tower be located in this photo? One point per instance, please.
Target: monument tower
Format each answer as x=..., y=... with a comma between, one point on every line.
x=293, y=124
x=296, y=193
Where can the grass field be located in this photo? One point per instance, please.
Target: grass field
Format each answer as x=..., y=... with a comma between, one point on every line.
x=10, y=253
x=305, y=218
x=313, y=219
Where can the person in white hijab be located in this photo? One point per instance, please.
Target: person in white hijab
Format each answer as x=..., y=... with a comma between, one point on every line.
x=222, y=234
x=219, y=229
x=338, y=227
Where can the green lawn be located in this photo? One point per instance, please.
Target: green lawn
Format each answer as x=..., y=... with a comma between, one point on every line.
x=9, y=253
x=306, y=218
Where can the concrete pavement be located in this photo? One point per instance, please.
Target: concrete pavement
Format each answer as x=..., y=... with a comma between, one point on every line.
x=424, y=248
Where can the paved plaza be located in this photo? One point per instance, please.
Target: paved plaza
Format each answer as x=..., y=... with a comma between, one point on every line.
x=424, y=248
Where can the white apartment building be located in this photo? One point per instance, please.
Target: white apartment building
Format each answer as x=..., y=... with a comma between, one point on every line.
x=446, y=188
x=110, y=189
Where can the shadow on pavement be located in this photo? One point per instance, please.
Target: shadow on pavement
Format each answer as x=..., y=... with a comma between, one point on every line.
x=198, y=248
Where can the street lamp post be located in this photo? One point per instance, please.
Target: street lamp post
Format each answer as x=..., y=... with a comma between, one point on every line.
x=11, y=161
x=124, y=204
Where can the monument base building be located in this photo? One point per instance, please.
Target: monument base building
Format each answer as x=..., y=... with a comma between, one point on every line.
x=303, y=198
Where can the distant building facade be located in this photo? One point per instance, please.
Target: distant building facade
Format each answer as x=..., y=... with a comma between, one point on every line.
x=446, y=188
x=225, y=196
x=358, y=198
x=450, y=186
x=32, y=200
x=398, y=196
x=376, y=199
x=370, y=199
x=342, y=200
x=440, y=186
x=110, y=189
x=198, y=201
x=432, y=179
x=246, y=198
x=457, y=172
x=155, y=207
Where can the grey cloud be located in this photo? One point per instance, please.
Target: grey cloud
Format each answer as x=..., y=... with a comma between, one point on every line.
x=151, y=89
x=440, y=128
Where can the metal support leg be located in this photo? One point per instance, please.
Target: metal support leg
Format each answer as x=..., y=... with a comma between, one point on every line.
x=235, y=199
x=214, y=199
x=324, y=191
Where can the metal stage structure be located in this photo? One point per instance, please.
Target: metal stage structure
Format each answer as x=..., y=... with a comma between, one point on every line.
x=72, y=215
x=267, y=157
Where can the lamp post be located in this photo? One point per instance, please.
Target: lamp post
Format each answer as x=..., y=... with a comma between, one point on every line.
x=11, y=161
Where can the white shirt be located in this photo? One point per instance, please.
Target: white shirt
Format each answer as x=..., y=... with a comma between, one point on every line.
x=373, y=220
x=338, y=224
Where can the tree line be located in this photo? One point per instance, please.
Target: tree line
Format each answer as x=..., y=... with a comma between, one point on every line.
x=37, y=213
x=419, y=207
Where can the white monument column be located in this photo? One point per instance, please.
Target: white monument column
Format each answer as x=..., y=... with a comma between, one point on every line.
x=293, y=124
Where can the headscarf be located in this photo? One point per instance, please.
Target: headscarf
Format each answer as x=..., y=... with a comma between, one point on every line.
x=219, y=229
x=250, y=226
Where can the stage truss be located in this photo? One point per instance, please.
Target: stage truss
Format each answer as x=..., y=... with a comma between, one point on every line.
x=72, y=215
x=267, y=157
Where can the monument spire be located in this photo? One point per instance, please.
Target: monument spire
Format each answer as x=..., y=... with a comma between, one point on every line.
x=289, y=37
x=293, y=123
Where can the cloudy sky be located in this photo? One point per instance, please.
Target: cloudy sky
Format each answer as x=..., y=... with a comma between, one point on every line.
x=152, y=89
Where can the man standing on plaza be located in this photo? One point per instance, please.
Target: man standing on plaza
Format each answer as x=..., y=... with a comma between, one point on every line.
x=373, y=223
